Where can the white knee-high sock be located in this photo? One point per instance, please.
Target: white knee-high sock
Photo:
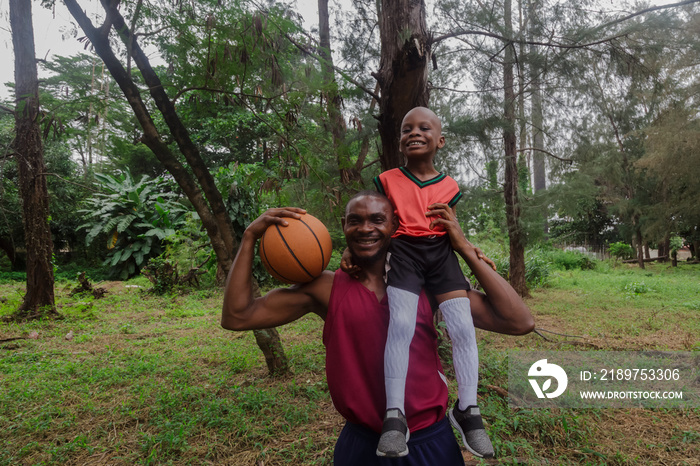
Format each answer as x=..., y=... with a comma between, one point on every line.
x=403, y=311
x=465, y=353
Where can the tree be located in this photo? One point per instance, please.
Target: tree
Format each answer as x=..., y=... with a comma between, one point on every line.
x=403, y=70
x=82, y=112
x=39, y=297
x=349, y=172
x=195, y=179
x=515, y=234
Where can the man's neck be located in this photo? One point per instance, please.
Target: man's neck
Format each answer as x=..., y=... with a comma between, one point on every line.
x=372, y=278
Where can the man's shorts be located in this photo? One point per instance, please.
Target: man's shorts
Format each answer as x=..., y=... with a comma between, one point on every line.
x=414, y=263
x=433, y=446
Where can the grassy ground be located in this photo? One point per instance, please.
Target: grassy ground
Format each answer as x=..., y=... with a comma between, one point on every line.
x=155, y=380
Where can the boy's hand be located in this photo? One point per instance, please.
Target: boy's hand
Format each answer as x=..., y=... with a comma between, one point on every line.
x=444, y=215
x=347, y=266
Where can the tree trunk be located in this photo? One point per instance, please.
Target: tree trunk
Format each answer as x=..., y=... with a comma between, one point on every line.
x=349, y=174
x=268, y=341
x=640, y=247
x=39, y=299
x=537, y=116
x=403, y=71
x=664, y=246
x=515, y=234
x=523, y=165
x=206, y=200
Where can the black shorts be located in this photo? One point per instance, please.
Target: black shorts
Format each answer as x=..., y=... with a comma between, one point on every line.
x=433, y=446
x=415, y=263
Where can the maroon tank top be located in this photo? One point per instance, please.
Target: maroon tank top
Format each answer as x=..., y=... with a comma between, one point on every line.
x=354, y=335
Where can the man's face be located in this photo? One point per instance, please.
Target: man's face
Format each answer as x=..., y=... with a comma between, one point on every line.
x=421, y=133
x=368, y=225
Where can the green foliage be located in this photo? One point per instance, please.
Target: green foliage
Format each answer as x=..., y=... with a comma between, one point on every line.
x=161, y=273
x=133, y=217
x=675, y=244
x=570, y=260
x=186, y=261
x=240, y=184
x=621, y=250
x=637, y=288
x=538, y=266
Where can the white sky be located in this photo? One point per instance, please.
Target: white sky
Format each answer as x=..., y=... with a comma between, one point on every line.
x=51, y=31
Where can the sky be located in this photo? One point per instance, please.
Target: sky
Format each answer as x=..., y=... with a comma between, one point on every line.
x=52, y=31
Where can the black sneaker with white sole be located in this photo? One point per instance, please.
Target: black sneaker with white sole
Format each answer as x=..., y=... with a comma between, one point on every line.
x=471, y=428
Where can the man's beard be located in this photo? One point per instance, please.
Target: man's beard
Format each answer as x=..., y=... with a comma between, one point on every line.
x=368, y=260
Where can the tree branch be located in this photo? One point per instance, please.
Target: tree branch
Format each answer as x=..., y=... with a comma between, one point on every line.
x=338, y=70
x=67, y=181
x=470, y=32
x=565, y=46
x=546, y=152
x=644, y=11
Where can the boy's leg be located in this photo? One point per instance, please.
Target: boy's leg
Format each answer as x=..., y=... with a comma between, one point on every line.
x=465, y=415
x=403, y=312
x=465, y=353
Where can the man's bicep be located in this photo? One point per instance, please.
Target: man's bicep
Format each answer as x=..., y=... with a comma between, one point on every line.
x=281, y=306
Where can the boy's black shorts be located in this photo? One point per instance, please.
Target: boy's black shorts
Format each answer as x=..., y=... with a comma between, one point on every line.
x=414, y=263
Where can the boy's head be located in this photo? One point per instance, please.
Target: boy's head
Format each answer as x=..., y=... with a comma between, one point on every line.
x=421, y=133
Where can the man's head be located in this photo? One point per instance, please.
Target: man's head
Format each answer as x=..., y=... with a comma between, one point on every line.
x=368, y=225
x=421, y=133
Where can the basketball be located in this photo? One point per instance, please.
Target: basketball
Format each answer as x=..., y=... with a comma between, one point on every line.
x=297, y=253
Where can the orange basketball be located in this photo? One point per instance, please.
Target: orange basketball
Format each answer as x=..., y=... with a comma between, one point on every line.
x=297, y=253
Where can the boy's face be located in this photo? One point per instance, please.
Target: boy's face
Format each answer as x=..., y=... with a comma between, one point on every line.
x=421, y=134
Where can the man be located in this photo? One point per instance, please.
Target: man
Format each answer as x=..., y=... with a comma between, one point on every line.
x=356, y=318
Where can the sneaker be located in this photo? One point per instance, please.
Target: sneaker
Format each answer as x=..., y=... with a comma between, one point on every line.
x=395, y=434
x=471, y=428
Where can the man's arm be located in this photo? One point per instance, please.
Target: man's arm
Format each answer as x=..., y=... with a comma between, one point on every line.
x=499, y=310
x=242, y=311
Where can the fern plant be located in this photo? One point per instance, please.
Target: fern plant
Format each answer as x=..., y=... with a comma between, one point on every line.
x=136, y=216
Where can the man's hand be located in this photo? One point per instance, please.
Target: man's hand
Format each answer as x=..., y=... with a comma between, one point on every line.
x=444, y=215
x=272, y=217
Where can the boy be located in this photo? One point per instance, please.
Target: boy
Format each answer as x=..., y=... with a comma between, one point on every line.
x=420, y=255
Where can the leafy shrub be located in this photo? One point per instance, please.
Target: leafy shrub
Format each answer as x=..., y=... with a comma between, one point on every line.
x=188, y=259
x=637, y=288
x=537, y=267
x=571, y=260
x=621, y=250
x=135, y=216
x=12, y=277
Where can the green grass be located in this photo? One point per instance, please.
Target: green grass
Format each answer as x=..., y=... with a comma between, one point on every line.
x=154, y=380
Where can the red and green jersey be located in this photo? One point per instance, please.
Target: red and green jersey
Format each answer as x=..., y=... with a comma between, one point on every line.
x=411, y=198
